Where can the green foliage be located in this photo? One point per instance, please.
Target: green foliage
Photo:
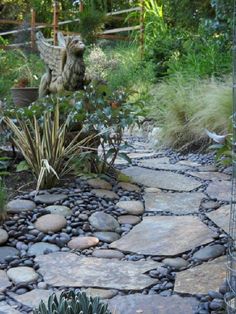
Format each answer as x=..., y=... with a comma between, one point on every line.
x=72, y=303
x=91, y=23
x=16, y=64
x=184, y=107
x=44, y=146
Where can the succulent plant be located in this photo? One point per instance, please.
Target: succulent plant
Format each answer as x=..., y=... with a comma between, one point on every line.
x=70, y=302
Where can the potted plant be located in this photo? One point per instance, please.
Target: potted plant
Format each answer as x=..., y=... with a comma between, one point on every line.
x=25, y=89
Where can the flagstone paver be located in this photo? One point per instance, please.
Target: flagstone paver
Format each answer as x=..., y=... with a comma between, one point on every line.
x=80, y=271
x=201, y=279
x=173, y=202
x=33, y=297
x=220, y=190
x=165, y=235
x=150, y=304
x=162, y=179
x=211, y=176
x=7, y=309
x=221, y=217
x=155, y=163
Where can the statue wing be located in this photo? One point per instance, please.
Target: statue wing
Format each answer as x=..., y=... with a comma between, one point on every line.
x=53, y=56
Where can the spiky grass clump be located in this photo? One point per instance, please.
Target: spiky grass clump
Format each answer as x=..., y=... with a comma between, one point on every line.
x=185, y=107
x=3, y=200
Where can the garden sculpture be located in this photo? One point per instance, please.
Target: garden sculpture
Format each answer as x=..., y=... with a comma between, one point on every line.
x=64, y=63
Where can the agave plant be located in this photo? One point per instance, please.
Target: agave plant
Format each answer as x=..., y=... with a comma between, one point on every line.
x=45, y=146
x=72, y=303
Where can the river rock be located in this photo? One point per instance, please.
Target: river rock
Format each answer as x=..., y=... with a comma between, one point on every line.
x=42, y=248
x=50, y=198
x=129, y=219
x=211, y=176
x=129, y=187
x=105, y=194
x=162, y=179
x=99, y=184
x=59, y=210
x=81, y=243
x=7, y=251
x=208, y=252
x=3, y=236
x=18, y=206
x=103, y=253
x=107, y=236
x=131, y=207
x=103, y=222
x=176, y=263
x=4, y=281
x=50, y=222
x=22, y=274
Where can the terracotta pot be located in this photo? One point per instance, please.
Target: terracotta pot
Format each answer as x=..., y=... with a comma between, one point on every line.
x=24, y=96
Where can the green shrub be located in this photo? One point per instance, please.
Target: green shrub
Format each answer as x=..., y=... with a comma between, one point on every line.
x=73, y=303
x=44, y=145
x=184, y=107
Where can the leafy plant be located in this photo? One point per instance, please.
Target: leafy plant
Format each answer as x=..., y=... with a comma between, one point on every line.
x=72, y=303
x=44, y=146
x=106, y=113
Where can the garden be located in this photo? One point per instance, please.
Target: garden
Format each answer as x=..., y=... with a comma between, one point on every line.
x=115, y=156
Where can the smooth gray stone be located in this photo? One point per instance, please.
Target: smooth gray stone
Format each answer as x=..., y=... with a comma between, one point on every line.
x=22, y=274
x=107, y=236
x=42, y=247
x=105, y=194
x=3, y=236
x=50, y=198
x=59, y=210
x=103, y=253
x=131, y=207
x=18, y=206
x=176, y=262
x=103, y=222
x=162, y=179
x=6, y=251
x=4, y=281
x=208, y=252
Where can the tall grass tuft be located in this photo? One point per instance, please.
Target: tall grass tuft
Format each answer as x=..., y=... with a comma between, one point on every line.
x=184, y=107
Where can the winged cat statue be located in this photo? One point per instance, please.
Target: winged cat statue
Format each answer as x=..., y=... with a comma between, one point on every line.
x=65, y=68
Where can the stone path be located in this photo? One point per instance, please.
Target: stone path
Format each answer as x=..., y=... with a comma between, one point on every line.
x=155, y=245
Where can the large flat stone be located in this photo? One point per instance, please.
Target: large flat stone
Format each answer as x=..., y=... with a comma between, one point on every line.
x=157, y=163
x=71, y=270
x=173, y=202
x=211, y=176
x=201, y=279
x=7, y=309
x=221, y=217
x=4, y=281
x=220, y=190
x=33, y=297
x=6, y=251
x=165, y=236
x=162, y=179
x=152, y=304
